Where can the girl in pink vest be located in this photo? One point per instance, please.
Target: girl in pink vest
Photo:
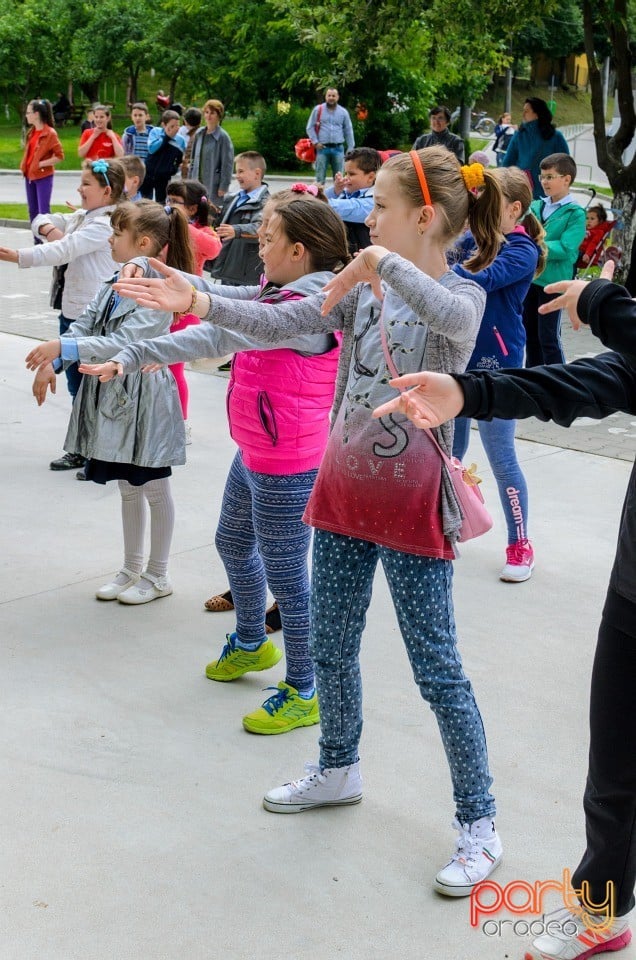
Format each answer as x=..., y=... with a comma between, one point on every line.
x=278, y=405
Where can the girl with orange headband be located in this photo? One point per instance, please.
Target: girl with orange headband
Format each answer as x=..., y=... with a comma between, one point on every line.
x=380, y=493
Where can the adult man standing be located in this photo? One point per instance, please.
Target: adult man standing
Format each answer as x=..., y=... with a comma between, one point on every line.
x=440, y=135
x=329, y=128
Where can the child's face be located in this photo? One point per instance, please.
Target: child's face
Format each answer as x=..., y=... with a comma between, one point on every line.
x=355, y=178
x=249, y=178
x=101, y=120
x=554, y=184
x=211, y=117
x=171, y=127
x=275, y=250
x=131, y=186
x=591, y=219
x=393, y=222
x=139, y=118
x=123, y=245
x=180, y=202
x=93, y=194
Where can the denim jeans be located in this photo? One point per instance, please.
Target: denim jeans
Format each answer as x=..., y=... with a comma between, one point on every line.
x=421, y=589
x=263, y=541
x=498, y=438
x=329, y=156
x=73, y=376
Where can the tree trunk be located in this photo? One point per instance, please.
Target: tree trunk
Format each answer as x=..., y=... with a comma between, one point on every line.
x=624, y=203
x=131, y=86
x=173, y=87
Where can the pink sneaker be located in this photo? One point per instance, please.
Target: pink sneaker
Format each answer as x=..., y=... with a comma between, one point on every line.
x=519, y=562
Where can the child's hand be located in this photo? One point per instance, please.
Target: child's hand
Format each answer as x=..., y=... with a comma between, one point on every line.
x=226, y=231
x=338, y=184
x=173, y=294
x=570, y=291
x=10, y=256
x=131, y=270
x=71, y=206
x=105, y=371
x=44, y=378
x=361, y=270
x=436, y=398
x=42, y=354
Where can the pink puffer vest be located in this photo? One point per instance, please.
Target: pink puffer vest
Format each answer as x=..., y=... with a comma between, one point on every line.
x=278, y=405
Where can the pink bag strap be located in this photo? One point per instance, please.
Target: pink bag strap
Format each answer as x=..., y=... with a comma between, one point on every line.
x=393, y=370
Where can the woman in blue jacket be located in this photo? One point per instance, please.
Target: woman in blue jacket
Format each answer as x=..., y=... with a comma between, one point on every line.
x=536, y=138
x=500, y=343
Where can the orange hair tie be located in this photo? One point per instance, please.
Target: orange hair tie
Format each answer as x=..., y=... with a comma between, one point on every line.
x=421, y=176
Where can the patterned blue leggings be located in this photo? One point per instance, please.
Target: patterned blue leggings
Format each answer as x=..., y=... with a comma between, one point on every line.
x=342, y=578
x=262, y=540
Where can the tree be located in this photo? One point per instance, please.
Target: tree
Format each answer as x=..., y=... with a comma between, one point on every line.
x=612, y=17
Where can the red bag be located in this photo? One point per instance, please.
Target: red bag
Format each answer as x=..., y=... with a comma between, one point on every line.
x=305, y=150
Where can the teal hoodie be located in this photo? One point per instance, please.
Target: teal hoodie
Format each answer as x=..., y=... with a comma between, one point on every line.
x=564, y=232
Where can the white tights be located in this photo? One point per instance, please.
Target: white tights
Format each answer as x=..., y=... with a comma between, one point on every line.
x=133, y=513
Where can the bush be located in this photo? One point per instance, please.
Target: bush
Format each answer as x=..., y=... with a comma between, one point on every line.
x=275, y=133
x=383, y=129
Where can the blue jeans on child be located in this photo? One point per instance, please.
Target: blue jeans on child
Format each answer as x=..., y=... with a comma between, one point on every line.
x=421, y=589
x=498, y=439
x=262, y=540
x=329, y=156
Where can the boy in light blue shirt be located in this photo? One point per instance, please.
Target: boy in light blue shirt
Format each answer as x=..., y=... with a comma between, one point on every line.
x=352, y=194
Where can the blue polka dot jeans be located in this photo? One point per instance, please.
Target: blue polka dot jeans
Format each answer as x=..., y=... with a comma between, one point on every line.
x=421, y=588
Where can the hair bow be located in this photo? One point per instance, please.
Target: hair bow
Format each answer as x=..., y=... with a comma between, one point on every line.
x=101, y=166
x=304, y=188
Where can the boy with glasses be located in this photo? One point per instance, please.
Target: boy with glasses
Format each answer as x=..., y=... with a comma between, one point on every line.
x=563, y=220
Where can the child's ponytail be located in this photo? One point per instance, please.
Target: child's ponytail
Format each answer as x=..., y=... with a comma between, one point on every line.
x=485, y=206
x=516, y=187
x=179, y=253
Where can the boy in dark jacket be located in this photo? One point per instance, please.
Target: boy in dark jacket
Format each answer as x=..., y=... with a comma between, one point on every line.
x=238, y=263
x=165, y=152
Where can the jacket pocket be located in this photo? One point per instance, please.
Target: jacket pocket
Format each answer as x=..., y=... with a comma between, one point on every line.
x=267, y=417
x=115, y=402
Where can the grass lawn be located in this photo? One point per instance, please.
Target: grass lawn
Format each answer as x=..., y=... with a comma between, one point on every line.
x=18, y=211
x=11, y=149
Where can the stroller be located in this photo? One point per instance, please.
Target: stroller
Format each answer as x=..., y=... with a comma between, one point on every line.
x=600, y=243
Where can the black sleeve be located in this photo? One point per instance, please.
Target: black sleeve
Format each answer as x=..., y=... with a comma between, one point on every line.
x=591, y=387
x=611, y=313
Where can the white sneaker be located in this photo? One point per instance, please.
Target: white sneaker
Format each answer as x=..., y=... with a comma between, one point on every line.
x=320, y=788
x=140, y=593
x=572, y=938
x=478, y=853
x=188, y=432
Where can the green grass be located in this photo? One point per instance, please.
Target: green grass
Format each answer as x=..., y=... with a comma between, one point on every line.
x=11, y=149
x=572, y=107
x=18, y=211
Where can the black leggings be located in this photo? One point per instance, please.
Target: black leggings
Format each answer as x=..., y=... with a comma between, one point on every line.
x=610, y=793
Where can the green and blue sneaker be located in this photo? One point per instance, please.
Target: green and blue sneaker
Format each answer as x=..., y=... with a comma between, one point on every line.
x=235, y=661
x=284, y=710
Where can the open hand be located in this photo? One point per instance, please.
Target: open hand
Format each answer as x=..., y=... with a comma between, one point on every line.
x=105, y=371
x=570, y=291
x=173, y=293
x=361, y=270
x=42, y=354
x=44, y=379
x=434, y=399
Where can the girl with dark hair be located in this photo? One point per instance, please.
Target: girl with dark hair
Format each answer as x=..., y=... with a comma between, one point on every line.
x=278, y=405
x=100, y=142
x=41, y=152
x=130, y=430
x=536, y=138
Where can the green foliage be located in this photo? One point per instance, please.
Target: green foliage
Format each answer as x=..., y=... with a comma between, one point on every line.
x=275, y=134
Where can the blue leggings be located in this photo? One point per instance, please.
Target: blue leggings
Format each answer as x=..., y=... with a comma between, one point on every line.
x=262, y=540
x=498, y=438
x=421, y=589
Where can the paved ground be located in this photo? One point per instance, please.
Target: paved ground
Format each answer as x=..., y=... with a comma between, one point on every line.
x=130, y=796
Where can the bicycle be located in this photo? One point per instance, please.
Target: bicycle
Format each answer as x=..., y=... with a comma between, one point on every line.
x=480, y=122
